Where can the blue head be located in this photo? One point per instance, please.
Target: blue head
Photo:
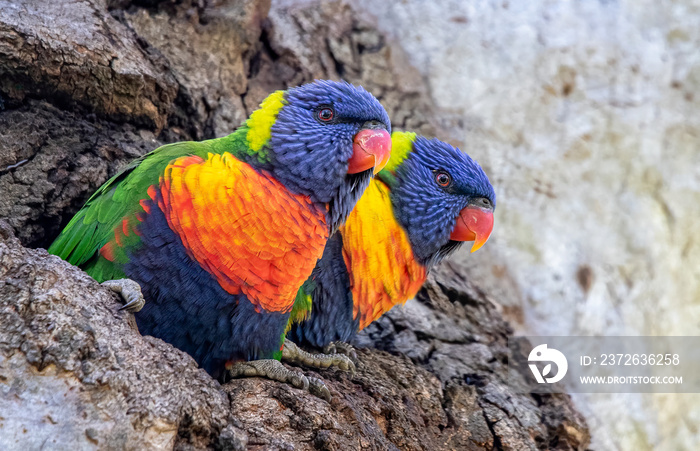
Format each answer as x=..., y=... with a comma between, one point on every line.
x=440, y=196
x=325, y=140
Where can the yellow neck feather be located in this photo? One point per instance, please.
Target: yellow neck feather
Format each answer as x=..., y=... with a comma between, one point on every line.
x=260, y=122
x=378, y=255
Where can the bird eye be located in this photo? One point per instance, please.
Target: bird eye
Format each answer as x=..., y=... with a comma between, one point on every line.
x=443, y=179
x=325, y=114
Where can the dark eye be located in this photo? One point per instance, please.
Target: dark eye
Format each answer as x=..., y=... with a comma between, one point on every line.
x=443, y=179
x=325, y=114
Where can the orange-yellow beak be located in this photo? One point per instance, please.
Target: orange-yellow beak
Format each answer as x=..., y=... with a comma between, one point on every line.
x=371, y=149
x=473, y=224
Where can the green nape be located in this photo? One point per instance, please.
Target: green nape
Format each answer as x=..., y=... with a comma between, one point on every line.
x=388, y=178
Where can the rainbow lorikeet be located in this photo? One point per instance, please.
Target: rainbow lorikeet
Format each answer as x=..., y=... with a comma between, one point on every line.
x=428, y=200
x=219, y=235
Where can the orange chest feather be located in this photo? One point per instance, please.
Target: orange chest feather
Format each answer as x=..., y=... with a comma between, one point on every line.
x=245, y=228
x=378, y=255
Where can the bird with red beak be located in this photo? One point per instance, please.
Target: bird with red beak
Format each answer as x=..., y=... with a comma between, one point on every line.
x=211, y=240
x=474, y=223
x=428, y=200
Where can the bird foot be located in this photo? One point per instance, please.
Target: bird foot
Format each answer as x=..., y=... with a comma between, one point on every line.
x=129, y=291
x=294, y=354
x=273, y=369
x=340, y=347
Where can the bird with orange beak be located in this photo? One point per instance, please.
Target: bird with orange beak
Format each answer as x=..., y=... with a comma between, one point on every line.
x=429, y=199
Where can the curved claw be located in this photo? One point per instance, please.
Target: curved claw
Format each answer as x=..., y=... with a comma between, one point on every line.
x=129, y=291
x=318, y=388
x=340, y=347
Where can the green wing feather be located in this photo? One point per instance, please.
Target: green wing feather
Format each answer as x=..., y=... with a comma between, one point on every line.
x=93, y=226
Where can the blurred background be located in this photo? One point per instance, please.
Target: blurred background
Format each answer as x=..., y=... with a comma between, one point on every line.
x=586, y=117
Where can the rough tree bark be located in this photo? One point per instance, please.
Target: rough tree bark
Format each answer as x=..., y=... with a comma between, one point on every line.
x=86, y=86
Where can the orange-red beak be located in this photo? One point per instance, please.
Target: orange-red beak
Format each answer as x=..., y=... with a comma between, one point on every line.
x=473, y=224
x=371, y=149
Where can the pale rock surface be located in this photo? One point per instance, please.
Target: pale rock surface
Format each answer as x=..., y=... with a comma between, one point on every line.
x=586, y=116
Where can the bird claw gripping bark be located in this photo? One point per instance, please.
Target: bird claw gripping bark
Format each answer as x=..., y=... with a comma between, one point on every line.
x=339, y=347
x=130, y=292
x=293, y=354
x=270, y=369
x=273, y=369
